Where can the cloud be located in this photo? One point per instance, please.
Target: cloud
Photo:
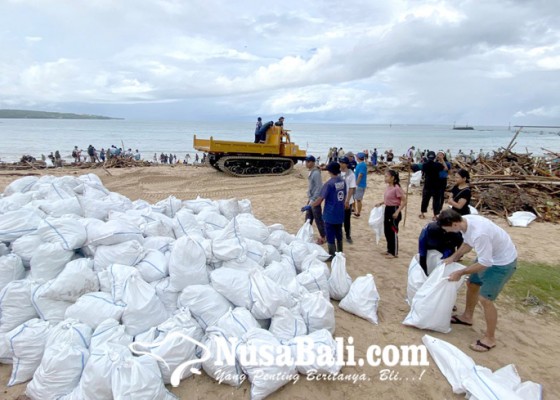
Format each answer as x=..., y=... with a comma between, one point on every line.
x=415, y=61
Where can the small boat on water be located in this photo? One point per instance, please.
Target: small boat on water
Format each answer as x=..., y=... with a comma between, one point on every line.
x=463, y=128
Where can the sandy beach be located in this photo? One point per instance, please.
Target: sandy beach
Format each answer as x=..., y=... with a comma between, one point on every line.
x=531, y=342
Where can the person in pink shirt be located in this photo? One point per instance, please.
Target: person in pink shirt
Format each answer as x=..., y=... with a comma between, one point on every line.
x=394, y=200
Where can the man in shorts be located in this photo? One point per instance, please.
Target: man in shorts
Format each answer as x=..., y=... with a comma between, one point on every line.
x=496, y=262
x=361, y=182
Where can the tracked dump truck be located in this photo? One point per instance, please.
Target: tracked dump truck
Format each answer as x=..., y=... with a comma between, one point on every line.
x=276, y=156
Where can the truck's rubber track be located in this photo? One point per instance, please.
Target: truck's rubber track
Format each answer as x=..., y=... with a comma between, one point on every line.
x=246, y=166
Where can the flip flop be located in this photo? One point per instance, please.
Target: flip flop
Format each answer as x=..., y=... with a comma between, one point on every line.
x=481, y=347
x=455, y=320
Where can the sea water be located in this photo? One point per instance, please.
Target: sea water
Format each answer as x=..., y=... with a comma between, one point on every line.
x=41, y=136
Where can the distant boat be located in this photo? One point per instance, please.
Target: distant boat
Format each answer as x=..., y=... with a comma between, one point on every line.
x=463, y=128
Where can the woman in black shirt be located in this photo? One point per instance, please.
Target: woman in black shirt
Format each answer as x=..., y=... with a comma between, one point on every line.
x=460, y=195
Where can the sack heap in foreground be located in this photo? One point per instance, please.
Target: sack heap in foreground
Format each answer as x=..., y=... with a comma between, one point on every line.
x=102, y=297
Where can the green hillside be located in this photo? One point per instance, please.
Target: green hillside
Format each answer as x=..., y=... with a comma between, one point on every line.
x=48, y=115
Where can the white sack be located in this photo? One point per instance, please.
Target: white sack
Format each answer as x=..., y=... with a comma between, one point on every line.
x=138, y=378
x=287, y=324
x=245, y=206
x=217, y=366
x=228, y=208
x=229, y=244
x=362, y=299
x=70, y=331
x=16, y=306
x=49, y=260
x=94, y=308
x=62, y=207
x=109, y=331
x=48, y=309
x=452, y=362
x=159, y=243
x=237, y=322
x=281, y=272
x=113, y=232
x=317, y=312
x=205, y=303
x=143, y=308
x=267, y=296
x=167, y=294
x=11, y=269
x=323, y=347
x=279, y=237
x=185, y=223
x=252, y=228
x=25, y=247
x=187, y=264
x=124, y=253
x=375, y=222
x=261, y=387
x=339, y=281
x=315, y=280
x=153, y=266
x=169, y=206
x=59, y=372
x=305, y=233
x=416, y=278
x=15, y=224
x=199, y=204
x=21, y=185
x=96, y=381
x=27, y=342
x=433, y=303
x=75, y=280
x=70, y=233
x=234, y=285
x=521, y=218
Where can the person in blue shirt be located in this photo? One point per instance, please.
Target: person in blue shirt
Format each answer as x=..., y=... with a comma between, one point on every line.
x=361, y=182
x=433, y=237
x=333, y=193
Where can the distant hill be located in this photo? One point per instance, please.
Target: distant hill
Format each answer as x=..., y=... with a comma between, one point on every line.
x=48, y=115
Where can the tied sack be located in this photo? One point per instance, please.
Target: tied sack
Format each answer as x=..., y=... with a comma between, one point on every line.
x=362, y=299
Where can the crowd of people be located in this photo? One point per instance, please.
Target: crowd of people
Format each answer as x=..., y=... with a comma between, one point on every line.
x=453, y=232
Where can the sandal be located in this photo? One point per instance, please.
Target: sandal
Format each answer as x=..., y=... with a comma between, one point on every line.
x=422, y=216
x=480, y=347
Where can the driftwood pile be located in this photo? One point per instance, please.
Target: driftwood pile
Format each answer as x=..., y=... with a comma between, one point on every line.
x=509, y=182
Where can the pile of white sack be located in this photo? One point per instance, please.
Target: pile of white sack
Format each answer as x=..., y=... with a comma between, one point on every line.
x=85, y=273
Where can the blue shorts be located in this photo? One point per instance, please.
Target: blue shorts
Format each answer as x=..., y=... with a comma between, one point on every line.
x=493, y=279
x=359, y=193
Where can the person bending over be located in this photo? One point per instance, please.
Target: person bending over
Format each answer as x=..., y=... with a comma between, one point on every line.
x=495, y=265
x=433, y=237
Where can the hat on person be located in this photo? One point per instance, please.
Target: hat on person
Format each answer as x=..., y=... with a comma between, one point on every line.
x=441, y=151
x=334, y=168
x=361, y=155
x=344, y=160
x=431, y=155
x=310, y=158
x=349, y=154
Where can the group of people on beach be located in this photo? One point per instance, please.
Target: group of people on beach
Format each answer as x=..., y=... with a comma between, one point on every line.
x=454, y=231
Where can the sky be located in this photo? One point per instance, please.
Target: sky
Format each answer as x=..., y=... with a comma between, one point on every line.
x=476, y=62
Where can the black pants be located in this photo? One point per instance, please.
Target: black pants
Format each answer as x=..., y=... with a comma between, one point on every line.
x=347, y=219
x=391, y=229
x=434, y=194
x=316, y=214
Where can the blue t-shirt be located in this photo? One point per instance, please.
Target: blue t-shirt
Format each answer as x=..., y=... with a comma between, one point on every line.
x=334, y=193
x=361, y=168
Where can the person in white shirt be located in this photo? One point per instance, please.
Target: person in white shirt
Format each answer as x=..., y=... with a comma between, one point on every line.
x=495, y=264
x=350, y=180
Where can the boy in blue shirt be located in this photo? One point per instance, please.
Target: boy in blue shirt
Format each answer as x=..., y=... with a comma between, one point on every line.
x=361, y=182
x=334, y=195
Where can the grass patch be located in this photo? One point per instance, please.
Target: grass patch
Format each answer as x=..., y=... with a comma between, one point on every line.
x=536, y=286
